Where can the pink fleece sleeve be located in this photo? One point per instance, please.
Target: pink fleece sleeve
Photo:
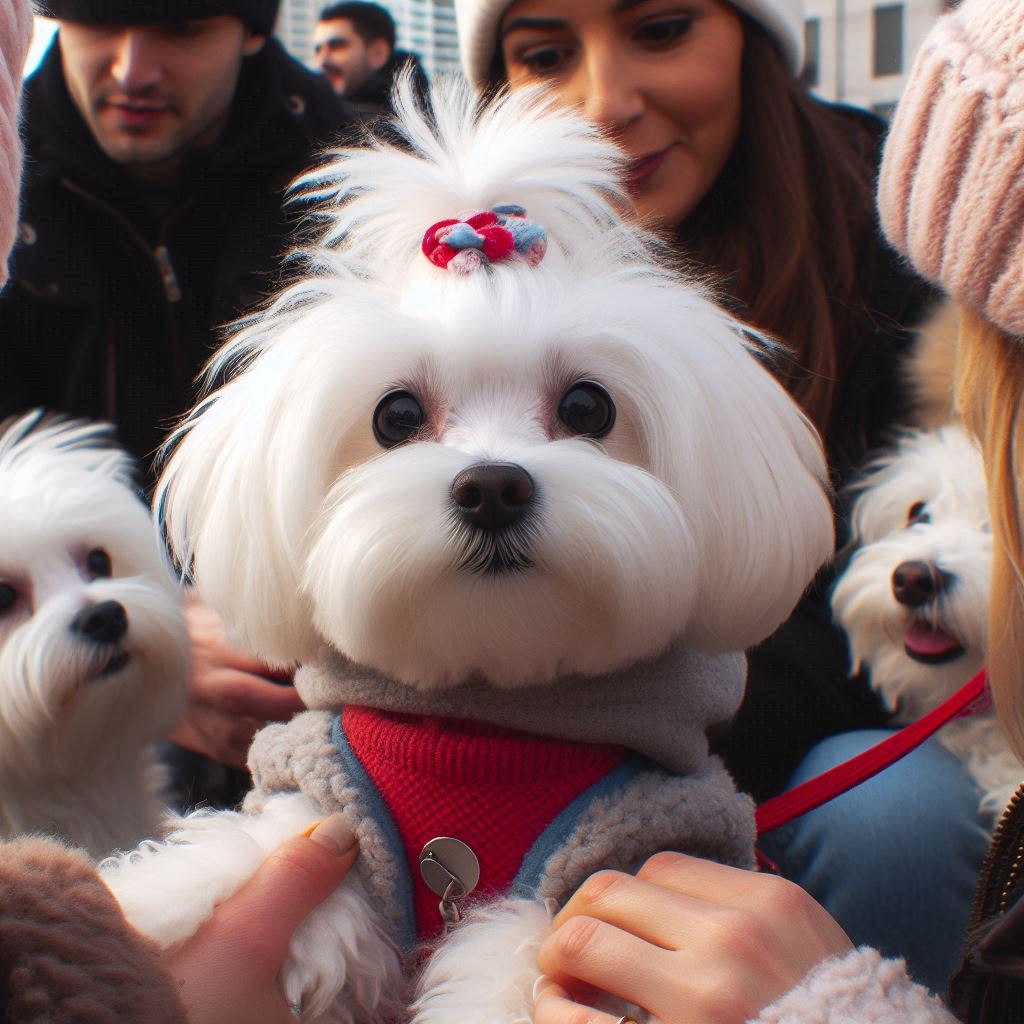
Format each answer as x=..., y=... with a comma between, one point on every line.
x=859, y=988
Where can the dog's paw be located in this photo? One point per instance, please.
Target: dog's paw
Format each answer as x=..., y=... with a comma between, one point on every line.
x=167, y=890
x=341, y=967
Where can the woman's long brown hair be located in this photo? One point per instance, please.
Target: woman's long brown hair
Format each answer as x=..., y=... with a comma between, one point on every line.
x=989, y=393
x=786, y=222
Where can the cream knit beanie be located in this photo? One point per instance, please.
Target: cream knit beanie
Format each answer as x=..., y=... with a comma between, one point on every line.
x=951, y=191
x=15, y=33
x=478, y=21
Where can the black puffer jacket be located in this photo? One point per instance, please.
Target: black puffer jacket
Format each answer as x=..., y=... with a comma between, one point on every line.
x=118, y=292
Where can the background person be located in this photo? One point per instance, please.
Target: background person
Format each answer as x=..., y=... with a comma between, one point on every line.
x=160, y=138
x=771, y=189
x=354, y=44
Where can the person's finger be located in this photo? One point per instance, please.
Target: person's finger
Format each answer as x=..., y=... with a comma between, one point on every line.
x=776, y=902
x=292, y=882
x=708, y=880
x=649, y=911
x=552, y=1005
x=240, y=693
x=614, y=961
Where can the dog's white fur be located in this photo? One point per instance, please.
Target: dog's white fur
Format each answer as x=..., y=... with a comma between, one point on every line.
x=701, y=516
x=938, y=475
x=76, y=736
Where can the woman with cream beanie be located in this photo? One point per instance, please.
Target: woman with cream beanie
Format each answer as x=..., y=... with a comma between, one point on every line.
x=951, y=199
x=772, y=190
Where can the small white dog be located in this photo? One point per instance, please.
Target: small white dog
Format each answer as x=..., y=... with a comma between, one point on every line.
x=914, y=594
x=93, y=648
x=515, y=514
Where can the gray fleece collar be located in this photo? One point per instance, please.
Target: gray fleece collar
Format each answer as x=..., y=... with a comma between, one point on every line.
x=664, y=709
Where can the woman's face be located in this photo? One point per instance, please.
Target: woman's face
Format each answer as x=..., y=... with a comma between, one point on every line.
x=663, y=76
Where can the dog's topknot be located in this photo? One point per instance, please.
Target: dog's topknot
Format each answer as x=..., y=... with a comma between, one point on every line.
x=461, y=155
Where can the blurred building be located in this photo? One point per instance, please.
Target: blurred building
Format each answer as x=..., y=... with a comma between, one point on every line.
x=426, y=27
x=860, y=51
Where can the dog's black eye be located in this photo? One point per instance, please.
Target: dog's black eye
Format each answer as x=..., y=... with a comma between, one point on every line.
x=98, y=562
x=586, y=408
x=8, y=596
x=398, y=417
x=917, y=514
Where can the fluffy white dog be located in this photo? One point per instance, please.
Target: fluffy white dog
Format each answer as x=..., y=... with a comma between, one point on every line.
x=514, y=514
x=93, y=648
x=914, y=594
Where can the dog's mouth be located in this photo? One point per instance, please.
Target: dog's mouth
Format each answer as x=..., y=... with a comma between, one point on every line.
x=118, y=661
x=495, y=553
x=930, y=645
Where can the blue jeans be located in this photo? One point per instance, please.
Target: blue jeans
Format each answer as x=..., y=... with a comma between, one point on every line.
x=896, y=859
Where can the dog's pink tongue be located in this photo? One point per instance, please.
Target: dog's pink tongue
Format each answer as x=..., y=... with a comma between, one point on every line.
x=922, y=639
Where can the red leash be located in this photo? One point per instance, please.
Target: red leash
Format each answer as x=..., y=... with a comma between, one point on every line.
x=814, y=792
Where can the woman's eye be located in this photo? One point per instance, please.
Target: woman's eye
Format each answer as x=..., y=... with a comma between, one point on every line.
x=917, y=514
x=587, y=409
x=97, y=562
x=662, y=33
x=398, y=417
x=8, y=597
x=544, y=60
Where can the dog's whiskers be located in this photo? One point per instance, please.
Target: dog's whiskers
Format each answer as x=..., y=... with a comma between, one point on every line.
x=494, y=553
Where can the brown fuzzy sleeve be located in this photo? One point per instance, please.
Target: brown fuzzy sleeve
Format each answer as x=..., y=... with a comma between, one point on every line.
x=67, y=956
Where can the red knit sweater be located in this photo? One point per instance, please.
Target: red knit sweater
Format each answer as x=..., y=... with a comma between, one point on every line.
x=494, y=789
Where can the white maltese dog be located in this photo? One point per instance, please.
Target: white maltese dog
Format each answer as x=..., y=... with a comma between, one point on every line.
x=93, y=647
x=914, y=594
x=513, y=494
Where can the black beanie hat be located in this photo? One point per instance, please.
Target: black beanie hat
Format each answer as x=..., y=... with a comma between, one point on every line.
x=259, y=15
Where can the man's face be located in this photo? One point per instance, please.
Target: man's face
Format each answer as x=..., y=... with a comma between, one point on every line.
x=345, y=57
x=151, y=93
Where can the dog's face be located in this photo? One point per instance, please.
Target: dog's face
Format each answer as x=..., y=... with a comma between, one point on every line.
x=538, y=473
x=913, y=597
x=93, y=651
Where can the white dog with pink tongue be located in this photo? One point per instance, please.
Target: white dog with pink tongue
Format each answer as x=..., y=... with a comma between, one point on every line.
x=913, y=598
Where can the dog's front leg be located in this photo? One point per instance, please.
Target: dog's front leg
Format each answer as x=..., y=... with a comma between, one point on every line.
x=168, y=889
x=340, y=969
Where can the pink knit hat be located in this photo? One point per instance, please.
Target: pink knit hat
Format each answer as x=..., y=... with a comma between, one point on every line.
x=951, y=192
x=15, y=33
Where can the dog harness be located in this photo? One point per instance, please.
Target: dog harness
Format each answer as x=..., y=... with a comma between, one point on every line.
x=585, y=806
x=493, y=789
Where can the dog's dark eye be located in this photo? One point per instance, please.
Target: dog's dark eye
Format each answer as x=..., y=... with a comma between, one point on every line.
x=8, y=596
x=917, y=514
x=398, y=417
x=586, y=408
x=98, y=562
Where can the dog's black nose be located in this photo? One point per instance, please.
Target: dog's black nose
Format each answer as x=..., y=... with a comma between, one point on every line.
x=917, y=583
x=104, y=623
x=493, y=495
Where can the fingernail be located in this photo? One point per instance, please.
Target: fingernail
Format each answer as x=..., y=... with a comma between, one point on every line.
x=334, y=833
x=540, y=985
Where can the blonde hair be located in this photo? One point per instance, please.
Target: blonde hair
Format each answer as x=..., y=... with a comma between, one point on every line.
x=989, y=394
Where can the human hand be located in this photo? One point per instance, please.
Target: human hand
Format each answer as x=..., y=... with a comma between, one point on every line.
x=228, y=970
x=228, y=695
x=688, y=940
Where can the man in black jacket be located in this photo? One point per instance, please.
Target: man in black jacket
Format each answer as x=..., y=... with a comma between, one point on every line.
x=160, y=137
x=158, y=152
x=355, y=48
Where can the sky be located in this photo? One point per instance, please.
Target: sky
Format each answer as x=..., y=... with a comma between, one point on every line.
x=44, y=30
